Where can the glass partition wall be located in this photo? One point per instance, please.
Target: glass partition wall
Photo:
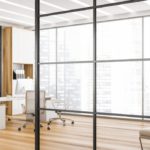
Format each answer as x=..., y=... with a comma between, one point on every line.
x=122, y=84
x=95, y=67
x=120, y=75
x=66, y=74
x=120, y=65
x=71, y=77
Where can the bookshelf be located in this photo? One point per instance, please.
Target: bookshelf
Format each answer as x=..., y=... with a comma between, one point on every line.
x=16, y=56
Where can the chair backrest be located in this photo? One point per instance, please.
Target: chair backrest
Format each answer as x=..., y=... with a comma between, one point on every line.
x=30, y=101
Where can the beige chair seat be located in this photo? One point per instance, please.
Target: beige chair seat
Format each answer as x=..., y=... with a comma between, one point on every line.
x=145, y=133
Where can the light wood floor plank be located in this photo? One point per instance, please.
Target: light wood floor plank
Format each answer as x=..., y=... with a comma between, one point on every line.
x=112, y=134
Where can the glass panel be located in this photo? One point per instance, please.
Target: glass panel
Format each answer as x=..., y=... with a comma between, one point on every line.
x=74, y=91
x=110, y=12
x=124, y=38
x=48, y=45
x=119, y=88
x=72, y=40
x=51, y=6
x=48, y=80
x=75, y=86
x=102, y=2
x=75, y=43
x=69, y=137
x=69, y=85
x=67, y=19
x=147, y=37
x=147, y=88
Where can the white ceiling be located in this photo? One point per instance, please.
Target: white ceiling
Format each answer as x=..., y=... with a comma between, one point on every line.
x=21, y=12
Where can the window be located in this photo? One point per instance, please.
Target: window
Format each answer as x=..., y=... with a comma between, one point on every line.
x=147, y=88
x=146, y=37
x=48, y=45
x=146, y=66
x=119, y=87
x=75, y=43
x=75, y=86
x=119, y=39
x=48, y=79
x=119, y=79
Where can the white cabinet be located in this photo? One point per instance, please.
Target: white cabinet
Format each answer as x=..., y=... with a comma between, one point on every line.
x=23, y=46
x=2, y=116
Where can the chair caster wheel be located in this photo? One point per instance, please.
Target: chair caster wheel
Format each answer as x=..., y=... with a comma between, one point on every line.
x=48, y=128
x=72, y=122
x=19, y=129
x=64, y=123
x=49, y=123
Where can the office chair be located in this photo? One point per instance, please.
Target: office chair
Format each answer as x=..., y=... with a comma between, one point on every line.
x=59, y=104
x=30, y=109
x=144, y=134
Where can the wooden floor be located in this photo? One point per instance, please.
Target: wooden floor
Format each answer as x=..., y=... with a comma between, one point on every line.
x=113, y=134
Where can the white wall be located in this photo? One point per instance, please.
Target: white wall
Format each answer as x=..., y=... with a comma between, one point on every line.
x=23, y=46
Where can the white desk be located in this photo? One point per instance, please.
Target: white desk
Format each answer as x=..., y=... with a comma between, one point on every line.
x=5, y=99
x=16, y=105
x=2, y=116
x=3, y=111
x=16, y=108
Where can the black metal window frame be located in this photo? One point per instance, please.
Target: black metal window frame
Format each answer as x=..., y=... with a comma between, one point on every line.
x=37, y=68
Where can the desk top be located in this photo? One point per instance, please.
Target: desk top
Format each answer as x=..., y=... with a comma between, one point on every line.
x=5, y=99
x=9, y=98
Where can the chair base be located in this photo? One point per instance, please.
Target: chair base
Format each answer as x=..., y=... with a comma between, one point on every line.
x=25, y=125
x=140, y=139
x=61, y=119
